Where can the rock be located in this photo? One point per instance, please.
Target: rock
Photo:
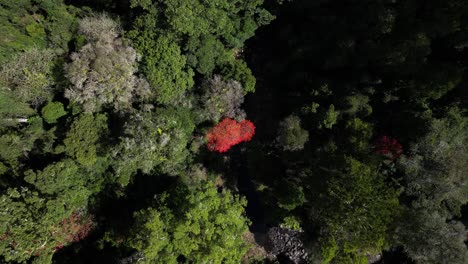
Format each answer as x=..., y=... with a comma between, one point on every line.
x=372, y=258
x=286, y=243
x=135, y=258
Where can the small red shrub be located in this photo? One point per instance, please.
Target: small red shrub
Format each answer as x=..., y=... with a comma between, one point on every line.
x=388, y=147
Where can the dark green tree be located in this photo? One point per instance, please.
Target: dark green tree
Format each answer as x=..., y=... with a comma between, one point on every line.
x=355, y=212
x=84, y=139
x=291, y=136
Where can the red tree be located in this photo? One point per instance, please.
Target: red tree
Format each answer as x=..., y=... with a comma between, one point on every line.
x=388, y=147
x=228, y=133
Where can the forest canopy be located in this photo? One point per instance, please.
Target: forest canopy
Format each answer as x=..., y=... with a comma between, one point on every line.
x=233, y=131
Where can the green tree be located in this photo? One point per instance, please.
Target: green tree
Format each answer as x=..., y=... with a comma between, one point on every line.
x=15, y=144
x=234, y=21
x=28, y=221
x=358, y=104
x=21, y=213
x=167, y=71
x=13, y=111
x=435, y=169
x=239, y=71
x=60, y=23
x=63, y=179
x=176, y=35
x=290, y=195
x=53, y=111
x=20, y=30
x=205, y=53
x=163, y=63
x=84, y=138
x=360, y=133
x=3, y=168
x=27, y=24
x=356, y=211
x=200, y=224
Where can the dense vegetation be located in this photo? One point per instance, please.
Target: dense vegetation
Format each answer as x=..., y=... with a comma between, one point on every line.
x=229, y=131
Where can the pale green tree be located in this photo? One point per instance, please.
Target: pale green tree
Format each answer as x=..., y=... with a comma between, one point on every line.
x=435, y=177
x=28, y=76
x=103, y=72
x=154, y=140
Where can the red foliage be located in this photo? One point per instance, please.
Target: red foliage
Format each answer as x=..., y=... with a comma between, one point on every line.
x=5, y=236
x=388, y=147
x=228, y=133
x=73, y=229
x=58, y=246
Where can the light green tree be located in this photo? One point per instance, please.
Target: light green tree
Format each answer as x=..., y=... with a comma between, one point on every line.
x=200, y=224
x=65, y=179
x=357, y=104
x=53, y=111
x=329, y=117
